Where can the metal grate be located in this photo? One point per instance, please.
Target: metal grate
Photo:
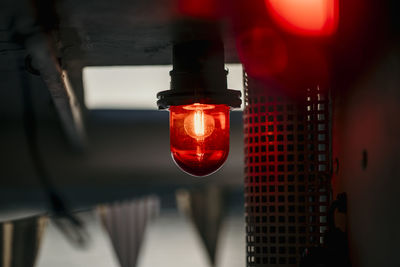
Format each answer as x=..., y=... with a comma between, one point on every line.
x=287, y=178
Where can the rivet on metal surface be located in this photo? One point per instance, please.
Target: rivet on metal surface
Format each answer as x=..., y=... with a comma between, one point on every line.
x=336, y=166
x=364, y=161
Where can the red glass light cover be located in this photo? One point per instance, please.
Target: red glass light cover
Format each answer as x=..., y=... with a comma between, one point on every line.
x=199, y=137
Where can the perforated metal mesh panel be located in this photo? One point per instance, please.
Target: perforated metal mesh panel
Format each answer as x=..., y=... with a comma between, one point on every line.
x=287, y=178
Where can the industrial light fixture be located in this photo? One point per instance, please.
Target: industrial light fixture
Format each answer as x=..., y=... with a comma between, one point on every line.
x=199, y=104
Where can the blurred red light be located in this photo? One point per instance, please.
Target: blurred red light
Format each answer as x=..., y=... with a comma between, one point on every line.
x=200, y=9
x=305, y=17
x=199, y=137
x=262, y=52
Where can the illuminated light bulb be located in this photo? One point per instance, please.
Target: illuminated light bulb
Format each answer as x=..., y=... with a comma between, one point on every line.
x=198, y=124
x=199, y=137
x=199, y=102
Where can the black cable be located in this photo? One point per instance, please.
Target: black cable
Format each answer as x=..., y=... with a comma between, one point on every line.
x=72, y=227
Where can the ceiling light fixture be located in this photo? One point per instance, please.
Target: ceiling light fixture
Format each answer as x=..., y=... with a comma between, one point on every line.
x=199, y=104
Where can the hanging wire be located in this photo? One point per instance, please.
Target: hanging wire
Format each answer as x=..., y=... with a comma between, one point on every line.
x=69, y=224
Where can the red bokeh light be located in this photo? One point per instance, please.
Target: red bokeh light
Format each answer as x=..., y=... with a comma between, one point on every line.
x=262, y=51
x=200, y=9
x=305, y=17
x=199, y=137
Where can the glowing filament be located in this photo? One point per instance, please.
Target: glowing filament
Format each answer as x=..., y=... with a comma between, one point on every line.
x=197, y=124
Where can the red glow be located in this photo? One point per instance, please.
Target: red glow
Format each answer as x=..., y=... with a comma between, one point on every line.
x=203, y=9
x=199, y=137
x=262, y=52
x=305, y=17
